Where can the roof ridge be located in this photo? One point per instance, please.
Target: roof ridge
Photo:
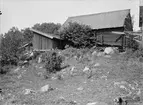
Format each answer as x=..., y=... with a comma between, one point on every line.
x=99, y=13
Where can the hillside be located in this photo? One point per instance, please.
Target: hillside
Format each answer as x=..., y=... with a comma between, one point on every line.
x=86, y=77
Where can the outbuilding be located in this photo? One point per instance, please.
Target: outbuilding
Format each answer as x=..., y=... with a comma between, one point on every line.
x=44, y=41
x=109, y=27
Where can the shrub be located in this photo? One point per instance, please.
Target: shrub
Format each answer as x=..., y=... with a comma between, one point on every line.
x=71, y=52
x=10, y=44
x=5, y=69
x=79, y=35
x=53, y=62
x=130, y=53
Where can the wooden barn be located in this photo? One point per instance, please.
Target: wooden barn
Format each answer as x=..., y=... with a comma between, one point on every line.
x=108, y=26
x=43, y=41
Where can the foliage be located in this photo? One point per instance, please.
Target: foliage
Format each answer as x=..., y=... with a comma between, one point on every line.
x=10, y=44
x=131, y=53
x=27, y=34
x=80, y=35
x=5, y=69
x=51, y=28
x=52, y=62
x=71, y=52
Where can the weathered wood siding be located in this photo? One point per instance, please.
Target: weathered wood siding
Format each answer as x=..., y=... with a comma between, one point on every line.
x=106, y=37
x=110, y=39
x=42, y=43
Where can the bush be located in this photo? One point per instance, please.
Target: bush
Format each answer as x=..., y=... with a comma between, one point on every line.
x=52, y=62
x=78, y=35
x=10, y=44
x=71, y=52
x=5, y=69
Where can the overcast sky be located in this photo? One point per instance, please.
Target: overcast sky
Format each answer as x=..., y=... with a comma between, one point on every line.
x=26, y=13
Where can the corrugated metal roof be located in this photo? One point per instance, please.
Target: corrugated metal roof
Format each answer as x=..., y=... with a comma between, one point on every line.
x=101, y=20
x=51, y=36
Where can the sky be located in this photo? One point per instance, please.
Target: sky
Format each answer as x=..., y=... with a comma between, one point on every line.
x=26, y=13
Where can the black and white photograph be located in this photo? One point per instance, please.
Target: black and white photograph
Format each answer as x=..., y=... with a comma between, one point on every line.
x=71, y=52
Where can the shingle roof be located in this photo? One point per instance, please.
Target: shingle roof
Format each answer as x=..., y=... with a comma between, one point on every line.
x=51, y=36
x=101, y=20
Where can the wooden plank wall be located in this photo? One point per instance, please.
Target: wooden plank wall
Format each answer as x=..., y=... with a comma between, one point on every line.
x=109, y=39
x=42, y=43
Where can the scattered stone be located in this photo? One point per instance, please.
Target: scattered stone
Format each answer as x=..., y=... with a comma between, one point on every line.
x=80, y=88
x=19, y=76
x=100, y=54
x=75, y=57
x=60, y=77
x=40, y=67
x=17, y=69
x=54, y=77
x=22, y=67
x=40, y=59
x=45, y=88
x=40, y=74
x=85, y=82
x=93, y=103
x=109, y=50
x=28, y=91
x=1, y=97
x=97, y=103
x=72, y=69
x=104, y=77
x=97, y=65
x=86, y=69
x=94, y=53
x=73, y=102
x=23, y=71
x=31, y=54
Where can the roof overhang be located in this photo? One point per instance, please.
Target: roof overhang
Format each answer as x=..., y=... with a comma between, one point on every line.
x=51, y=36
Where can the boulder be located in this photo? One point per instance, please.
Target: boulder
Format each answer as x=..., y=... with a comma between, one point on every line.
x=86, y=69
x=109, y=50
x=80, y=88
x=45, y=88
x=97, y=103
x=40, y=59
x=94, y=53
x=97, y=65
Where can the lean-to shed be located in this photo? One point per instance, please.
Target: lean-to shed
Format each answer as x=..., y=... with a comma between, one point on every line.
x=43, y=41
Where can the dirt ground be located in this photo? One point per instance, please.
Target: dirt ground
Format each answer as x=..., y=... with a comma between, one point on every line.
x=104, y=79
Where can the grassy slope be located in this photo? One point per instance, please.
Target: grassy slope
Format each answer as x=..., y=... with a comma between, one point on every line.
x=76, y=87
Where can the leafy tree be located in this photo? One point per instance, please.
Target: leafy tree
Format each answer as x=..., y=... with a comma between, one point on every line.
x=80, y=35
x=51, y=28
x=27, y=34
x=10, y=44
